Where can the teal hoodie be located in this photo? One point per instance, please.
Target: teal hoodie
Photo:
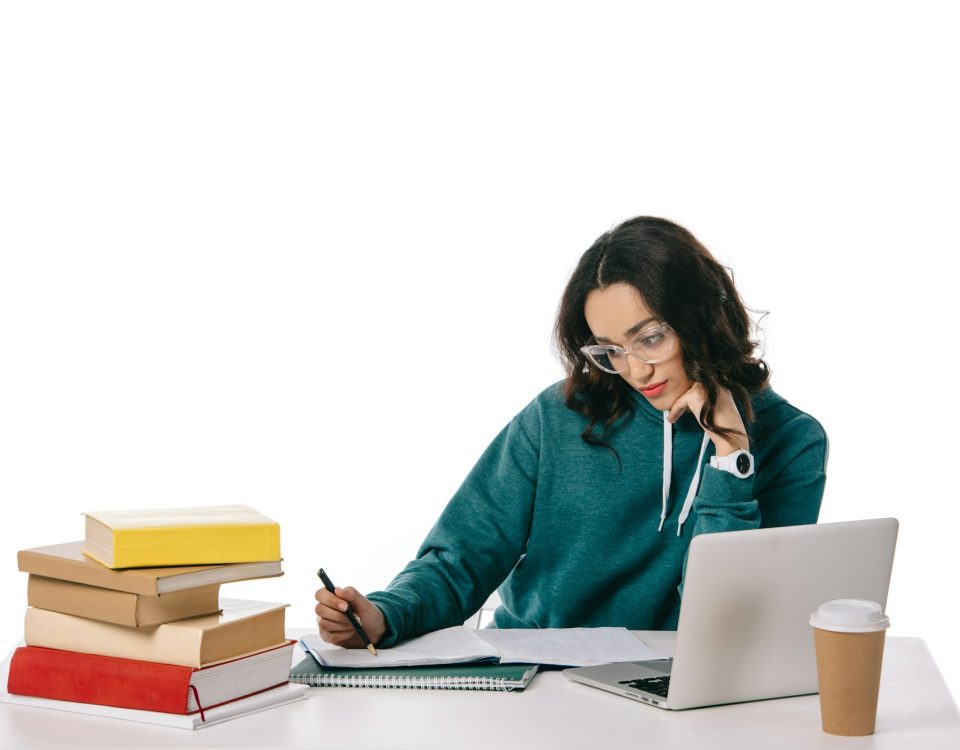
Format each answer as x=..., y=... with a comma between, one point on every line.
x=572, y=538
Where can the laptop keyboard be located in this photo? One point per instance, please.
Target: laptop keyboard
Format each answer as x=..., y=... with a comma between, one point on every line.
x=655, y=685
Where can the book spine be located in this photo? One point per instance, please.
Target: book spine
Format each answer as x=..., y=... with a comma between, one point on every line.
x=100, y=680
x=194, y=545
x=161, y=643
x=403, y=681
x=52, y=566
x=107, y=605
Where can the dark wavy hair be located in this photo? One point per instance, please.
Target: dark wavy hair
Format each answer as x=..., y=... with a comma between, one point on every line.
x=684, y=286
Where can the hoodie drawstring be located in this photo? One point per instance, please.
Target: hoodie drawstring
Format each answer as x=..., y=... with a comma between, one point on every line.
x=667, y=471
x=667, y=463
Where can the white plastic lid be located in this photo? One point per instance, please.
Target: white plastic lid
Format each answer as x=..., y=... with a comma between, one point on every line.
x=850, y=616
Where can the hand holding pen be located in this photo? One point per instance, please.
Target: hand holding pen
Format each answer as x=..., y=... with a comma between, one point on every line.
x=338, y=611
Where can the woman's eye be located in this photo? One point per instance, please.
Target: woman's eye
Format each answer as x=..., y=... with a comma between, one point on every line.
x=651, y=341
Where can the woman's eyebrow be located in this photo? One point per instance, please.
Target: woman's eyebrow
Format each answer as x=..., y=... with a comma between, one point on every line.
x=632, y=330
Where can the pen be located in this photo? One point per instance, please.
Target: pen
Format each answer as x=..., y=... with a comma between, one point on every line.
x=328, y=585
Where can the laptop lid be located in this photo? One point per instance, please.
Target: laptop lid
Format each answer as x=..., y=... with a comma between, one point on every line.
x=744, y=632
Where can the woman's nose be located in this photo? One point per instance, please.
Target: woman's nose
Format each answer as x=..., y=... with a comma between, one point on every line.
x=639, y=370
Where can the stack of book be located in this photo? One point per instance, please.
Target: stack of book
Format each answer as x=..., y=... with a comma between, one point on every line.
x=129, y=622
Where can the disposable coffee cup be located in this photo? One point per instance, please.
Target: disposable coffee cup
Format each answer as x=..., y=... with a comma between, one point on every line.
x=849, y=636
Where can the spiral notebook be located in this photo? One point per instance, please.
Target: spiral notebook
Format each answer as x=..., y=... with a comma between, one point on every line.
x=478, y=676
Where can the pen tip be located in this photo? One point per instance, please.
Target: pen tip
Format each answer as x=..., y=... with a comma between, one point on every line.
x=371, y=649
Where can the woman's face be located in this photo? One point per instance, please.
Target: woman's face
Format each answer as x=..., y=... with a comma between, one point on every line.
x=615, y=315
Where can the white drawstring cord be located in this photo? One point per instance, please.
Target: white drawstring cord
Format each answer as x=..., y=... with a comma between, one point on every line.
x=668, y=471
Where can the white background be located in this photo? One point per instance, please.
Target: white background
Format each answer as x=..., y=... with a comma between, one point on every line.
x=307, y=256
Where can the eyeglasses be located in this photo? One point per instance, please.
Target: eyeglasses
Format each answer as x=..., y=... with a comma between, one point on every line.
x=653, y=345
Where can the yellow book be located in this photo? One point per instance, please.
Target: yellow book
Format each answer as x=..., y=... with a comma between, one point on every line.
x=180, y=536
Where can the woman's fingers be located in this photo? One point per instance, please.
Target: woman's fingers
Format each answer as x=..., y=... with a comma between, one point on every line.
x=692, y=401
x=333, y=624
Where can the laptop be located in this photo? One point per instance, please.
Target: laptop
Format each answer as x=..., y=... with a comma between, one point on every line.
x=743, y=632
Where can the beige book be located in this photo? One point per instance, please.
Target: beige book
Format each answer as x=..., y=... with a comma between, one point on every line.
x=243, y=627
x=68, y=563
x=121, y=607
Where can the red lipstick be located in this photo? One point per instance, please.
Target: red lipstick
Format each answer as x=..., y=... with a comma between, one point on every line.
x=653, y=390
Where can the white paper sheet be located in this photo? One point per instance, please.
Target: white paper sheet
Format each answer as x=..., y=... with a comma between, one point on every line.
x=447, y=646
x=572, y=647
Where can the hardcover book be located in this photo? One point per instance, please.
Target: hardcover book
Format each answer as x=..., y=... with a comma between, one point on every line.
x=68, y=563
x=242, y=628
x=147, y=686
x=121, y=607
x=278, y=696
x=180, y=536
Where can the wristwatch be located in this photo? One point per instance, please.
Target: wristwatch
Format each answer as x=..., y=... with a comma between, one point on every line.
x=738, y=463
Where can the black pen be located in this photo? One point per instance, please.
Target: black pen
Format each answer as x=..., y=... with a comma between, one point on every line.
x=328, y=585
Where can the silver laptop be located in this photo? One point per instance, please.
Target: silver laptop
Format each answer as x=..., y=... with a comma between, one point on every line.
x=744, y=632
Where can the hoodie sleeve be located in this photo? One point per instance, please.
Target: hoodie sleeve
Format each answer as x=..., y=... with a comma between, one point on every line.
x=725, y=503
x=476, y=542
x=789, y=490
x=785, y=490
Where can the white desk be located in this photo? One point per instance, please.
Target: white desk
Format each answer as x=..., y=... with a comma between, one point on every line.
x=916, y=711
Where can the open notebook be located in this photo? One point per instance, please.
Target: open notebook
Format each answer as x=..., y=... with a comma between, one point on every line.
x=555, y=646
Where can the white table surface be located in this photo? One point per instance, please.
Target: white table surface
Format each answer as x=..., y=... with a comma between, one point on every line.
x=916, y=711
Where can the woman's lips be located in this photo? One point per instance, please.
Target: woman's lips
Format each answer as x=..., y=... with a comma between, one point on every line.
x=653, y=390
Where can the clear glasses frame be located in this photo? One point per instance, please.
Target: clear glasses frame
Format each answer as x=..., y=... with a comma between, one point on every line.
x=596, y=353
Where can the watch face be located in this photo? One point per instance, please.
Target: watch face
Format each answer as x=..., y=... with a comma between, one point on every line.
x=743, y=463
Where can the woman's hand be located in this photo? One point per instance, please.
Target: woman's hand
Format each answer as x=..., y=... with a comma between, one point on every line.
x=333, y=624
x=724, y=415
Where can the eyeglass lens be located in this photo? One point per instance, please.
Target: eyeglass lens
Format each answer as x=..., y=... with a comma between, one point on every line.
x=651, y=346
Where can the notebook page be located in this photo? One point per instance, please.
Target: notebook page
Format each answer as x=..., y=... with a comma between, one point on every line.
x=447, y=646
x=570, y=647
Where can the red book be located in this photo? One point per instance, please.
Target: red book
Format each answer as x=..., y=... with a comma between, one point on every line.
x=150, y=686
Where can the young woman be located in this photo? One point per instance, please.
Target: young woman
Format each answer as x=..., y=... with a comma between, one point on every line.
x=582, y=508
